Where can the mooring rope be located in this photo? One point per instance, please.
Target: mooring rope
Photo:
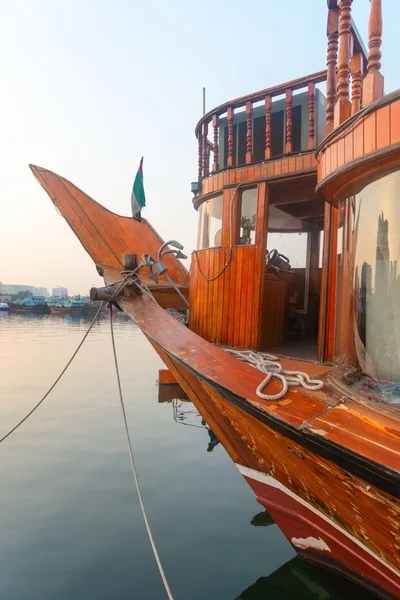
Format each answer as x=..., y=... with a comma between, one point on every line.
x=135, y=475
x=269, y=364
x=58, y=378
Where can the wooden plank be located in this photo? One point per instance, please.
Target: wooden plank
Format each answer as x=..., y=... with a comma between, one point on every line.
x=238, y=294
x=358, y=137
x=244, y=296
x=232, y=298
x=370, y=133
x=348, y=147
x=165, y=377
x=248, y=317
x=340, y=152
x=226, y=299
x=383, y=127
x=395, y=122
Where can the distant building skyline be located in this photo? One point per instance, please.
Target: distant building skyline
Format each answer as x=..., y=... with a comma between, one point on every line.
x=15, y=288
x=59, y=292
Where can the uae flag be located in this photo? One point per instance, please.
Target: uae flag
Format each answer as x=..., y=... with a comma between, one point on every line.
x=138, y=198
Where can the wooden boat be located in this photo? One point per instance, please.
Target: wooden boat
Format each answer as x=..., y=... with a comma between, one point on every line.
x=65, y=306
x=324, y=463
x=33, y=304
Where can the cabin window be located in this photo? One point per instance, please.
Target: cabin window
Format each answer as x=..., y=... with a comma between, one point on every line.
x=367, y=334
x=291, y=245
x=210, y=223
x=248, y=217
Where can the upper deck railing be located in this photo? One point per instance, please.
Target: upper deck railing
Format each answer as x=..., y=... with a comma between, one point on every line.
x=350, y=66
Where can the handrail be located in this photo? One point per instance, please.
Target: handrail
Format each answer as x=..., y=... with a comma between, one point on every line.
x=276, y=90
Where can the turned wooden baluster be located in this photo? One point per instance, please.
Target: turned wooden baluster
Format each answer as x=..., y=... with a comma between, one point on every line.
x=332, y=32
x=249, y=132
x=231, y=158
x=289, y=134
x=343, y=105
x=357, y=69
x=374, y=80
x=268, y=106
x=206, y=153
x=200, y=140
x=311, y=116
x=215, y=122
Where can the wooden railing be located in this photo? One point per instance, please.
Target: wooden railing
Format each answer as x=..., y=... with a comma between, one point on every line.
x=227, y=109
x=348, y=68
x=351, y=62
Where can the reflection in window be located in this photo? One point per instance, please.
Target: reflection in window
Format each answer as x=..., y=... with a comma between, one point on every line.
x=367, y=349
x=248, y=217
x=210, y=223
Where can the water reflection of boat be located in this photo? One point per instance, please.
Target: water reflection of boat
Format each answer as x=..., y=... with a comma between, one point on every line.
x=33, y=304
x=299, y=580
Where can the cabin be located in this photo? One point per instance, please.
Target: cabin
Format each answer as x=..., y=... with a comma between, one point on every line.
x=280, y=213
x=257, y=273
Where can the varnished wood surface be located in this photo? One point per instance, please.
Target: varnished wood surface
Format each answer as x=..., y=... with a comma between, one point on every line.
x=277, y=90
x=273, y=313
x=104, y=235
x=340, y=495
x=299, y=408
x=366, y=137
x=226, y=310
x=215, y=183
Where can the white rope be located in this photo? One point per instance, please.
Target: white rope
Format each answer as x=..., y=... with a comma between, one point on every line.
x=135, y=475
x=269, y=364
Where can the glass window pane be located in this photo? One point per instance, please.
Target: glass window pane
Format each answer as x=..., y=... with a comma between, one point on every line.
x=367, y=338
x=292, y=245
x=248, y=217
x=210, y=223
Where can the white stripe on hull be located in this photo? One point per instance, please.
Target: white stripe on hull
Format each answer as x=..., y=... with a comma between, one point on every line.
x=270, y=481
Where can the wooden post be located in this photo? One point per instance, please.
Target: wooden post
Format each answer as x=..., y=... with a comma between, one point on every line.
x=357, y=68
x=289, y=144
x=200, y=141
x=343, y=105
x=206, y=155
x=129, y=262
x=332, y=33
x=249, y=132
x=231, y=158
x=268, y=106
x=374, y=80
x=215, y=122
x=311, y=116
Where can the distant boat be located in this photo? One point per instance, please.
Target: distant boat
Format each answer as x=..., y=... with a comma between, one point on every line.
x=4, y=306
x=65, y=306
x=35, y=304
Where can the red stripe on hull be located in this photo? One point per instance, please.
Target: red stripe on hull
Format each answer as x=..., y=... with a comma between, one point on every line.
x=57, y=310
x=319, y=540
x=28, y=309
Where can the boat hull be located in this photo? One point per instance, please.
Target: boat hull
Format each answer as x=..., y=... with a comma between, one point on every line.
x=323, y=512
x=61, y=310
x=28, y=309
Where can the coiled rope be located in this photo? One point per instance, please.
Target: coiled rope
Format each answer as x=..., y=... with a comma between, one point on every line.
x=58, y=378
x=269, y=364
x=135, y=475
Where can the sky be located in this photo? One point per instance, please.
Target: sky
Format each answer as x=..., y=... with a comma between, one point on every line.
x=88, y=87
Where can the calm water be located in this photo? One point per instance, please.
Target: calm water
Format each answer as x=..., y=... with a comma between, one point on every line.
x=71, y=525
